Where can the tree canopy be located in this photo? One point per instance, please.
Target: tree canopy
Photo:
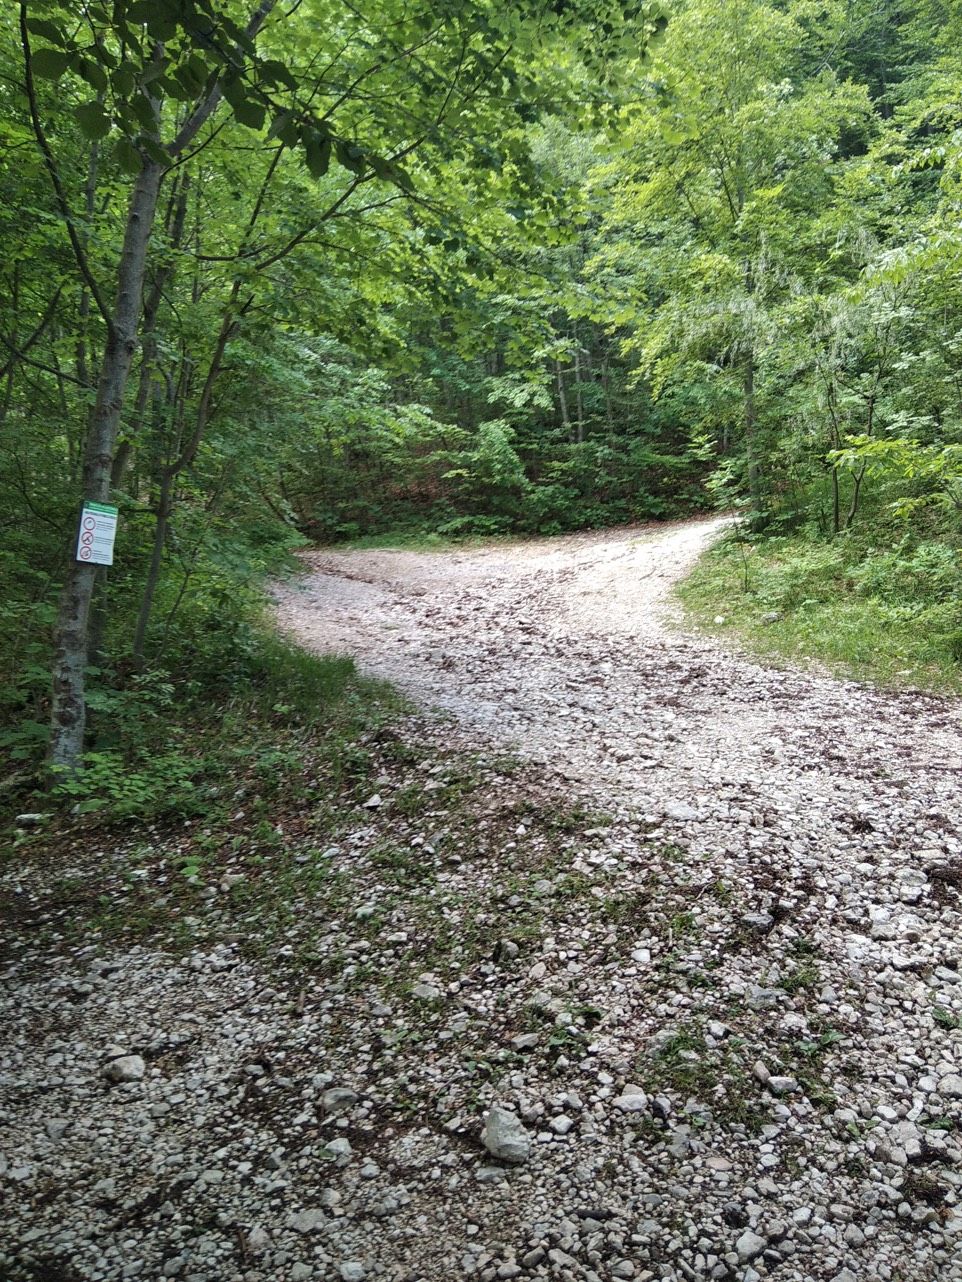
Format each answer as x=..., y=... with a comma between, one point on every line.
x=325, y=270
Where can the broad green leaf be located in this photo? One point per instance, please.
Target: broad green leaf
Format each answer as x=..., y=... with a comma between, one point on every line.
x=127, y=156
x=93, y=120
x=317, y=151
x=47, y=30
x=50, y=64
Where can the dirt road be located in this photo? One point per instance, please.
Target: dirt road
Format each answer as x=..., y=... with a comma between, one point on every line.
x=712, y=1033
x=572, y=650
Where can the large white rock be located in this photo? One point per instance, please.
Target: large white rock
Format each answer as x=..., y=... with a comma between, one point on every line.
x=127, y=1068
x=504, y=1136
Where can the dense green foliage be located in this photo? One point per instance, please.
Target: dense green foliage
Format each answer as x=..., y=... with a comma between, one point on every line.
x=468, y=269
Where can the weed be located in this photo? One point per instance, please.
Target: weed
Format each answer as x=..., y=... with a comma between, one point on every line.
x=946, y=1018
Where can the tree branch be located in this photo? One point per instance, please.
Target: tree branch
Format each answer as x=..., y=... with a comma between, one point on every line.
x=52, y=170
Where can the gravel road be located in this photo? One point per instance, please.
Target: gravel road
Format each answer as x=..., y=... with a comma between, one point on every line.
x=573, y=650
x=675, y=997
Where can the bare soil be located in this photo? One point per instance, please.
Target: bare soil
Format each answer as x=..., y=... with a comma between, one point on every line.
x=573, y=650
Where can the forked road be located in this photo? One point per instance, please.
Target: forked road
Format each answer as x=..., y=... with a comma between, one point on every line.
x=572, y=650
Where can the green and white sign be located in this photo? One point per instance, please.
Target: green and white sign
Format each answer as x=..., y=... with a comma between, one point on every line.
x=98, y=528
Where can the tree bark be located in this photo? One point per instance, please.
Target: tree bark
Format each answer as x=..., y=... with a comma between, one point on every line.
x=751, y=444
x=563, y=400
x=68, y=710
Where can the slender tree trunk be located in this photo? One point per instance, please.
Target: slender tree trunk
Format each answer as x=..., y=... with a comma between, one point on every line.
x=606, y=389
x=173, y=470
x=751, y=443
x=579, y=397
x=68, y=712
x=164, y=507
x=563, y=401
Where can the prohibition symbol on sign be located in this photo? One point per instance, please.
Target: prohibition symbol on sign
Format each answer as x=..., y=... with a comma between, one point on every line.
x=95, y=537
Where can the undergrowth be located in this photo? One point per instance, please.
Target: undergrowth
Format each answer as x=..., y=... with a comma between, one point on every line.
x=879, y=605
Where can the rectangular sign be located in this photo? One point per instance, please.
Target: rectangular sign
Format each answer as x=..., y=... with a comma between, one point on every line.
x=98, y=527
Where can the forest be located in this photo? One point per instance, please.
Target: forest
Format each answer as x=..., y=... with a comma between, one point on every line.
x=323, y=273
x=481, y=640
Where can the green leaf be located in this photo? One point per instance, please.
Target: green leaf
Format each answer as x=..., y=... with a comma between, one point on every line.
x=317, y=152
x=123, y=79
x=276, y=73
x=350, y=156
x=127, y=156
x=50, y=64
x=153, y=149
x=93, y=74
x=47, y=30
x=144, y=111
x=250, y=113
x=280, y=123
x=93, y=120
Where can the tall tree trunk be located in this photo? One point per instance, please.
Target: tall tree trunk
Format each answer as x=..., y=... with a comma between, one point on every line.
x=68, y=711
x=579, y=395
x=563, y=401
x=165, y=503
x=606, y=389
x=751, y=442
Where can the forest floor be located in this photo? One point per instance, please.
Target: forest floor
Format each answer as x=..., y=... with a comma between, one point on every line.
x=689, y=923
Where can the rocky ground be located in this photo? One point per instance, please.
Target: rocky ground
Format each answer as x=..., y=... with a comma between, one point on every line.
x=671, y=993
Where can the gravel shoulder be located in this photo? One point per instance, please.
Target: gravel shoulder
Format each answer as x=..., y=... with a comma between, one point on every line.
x=684, y=927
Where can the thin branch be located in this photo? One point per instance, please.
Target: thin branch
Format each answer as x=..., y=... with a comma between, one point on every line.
x=20, y=352
x=51, y=166
x=206, y=109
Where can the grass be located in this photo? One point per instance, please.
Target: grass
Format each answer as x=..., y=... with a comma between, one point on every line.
x=886, y=614
x=403, y=540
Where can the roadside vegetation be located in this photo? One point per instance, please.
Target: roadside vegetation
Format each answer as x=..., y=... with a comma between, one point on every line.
x=882, y=603
x=379, y=275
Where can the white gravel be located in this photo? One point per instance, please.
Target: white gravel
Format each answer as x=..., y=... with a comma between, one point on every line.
x=726, y=1027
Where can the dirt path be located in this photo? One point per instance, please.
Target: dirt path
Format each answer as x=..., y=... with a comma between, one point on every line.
x=572, y=650
x=714, y=1033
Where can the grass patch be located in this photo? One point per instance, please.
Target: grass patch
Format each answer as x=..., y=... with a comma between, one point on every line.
x=403, y=541
x=719, y=1079
x=890, y=614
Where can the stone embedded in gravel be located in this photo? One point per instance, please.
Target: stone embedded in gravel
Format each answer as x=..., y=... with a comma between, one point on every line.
x=760, y=998
x=338, y=1099
x=632, y=1100
x=56, y=1127
x=257, y=1240
x=308, y=1221
x=782, y=1085
x=525, y=1041
x=761, y=923
x=426, y=992
x=505, y=1137
x=374, y=802
x=352, y=1271
x=951, y=1085
x=750, y=1245
x=680, y=811
x=126, y=1068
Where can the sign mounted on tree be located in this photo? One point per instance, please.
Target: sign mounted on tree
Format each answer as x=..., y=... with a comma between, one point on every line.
x=98, y=527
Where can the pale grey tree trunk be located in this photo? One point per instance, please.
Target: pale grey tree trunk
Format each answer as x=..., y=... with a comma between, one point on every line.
x=68, y=710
